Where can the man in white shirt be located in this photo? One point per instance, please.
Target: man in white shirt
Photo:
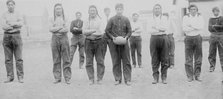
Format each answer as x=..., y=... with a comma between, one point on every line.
x=12, y=42
x=136, y=40
x=94, y=45
x=193, y=24
x=159, y=45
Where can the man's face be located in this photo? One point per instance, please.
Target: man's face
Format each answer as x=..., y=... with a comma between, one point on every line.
x=157, y=10
x=11, y=6
x=193, y=10
x=92, y=12
x=216, y=12
x=58, y=10
x=135, y=17
x=107, y=12
x=119, y=10
x=78, y=16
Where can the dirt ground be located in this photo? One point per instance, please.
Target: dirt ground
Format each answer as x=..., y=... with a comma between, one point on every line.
x=39, y=79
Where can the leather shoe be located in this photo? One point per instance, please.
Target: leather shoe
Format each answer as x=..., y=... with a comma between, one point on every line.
x=57, y=81
x=118, y=82
x=128, y=83
x=155, y=81
x=164, y=81
x=198, y=78
x=8, y=80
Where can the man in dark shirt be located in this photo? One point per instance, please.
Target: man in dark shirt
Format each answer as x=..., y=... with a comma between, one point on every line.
x=77, y=39
x=117, y=26
x=216, y=38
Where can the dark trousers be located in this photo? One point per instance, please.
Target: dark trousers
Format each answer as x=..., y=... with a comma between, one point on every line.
x=120, y=58
x=12, y=44
x=159, y=53
x=193, y=51
x=77, y=40
x=61, y=51
x=216, y=42
x=94, y=48
x=171, y=49
x=136, y=46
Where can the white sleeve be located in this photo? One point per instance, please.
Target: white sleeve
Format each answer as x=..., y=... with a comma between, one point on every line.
x=151, y=29
x=199, y=24
x=185, y=26
x=164, y=24
x=101, y=28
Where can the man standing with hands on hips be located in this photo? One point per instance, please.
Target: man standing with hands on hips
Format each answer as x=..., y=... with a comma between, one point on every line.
x=119, y=30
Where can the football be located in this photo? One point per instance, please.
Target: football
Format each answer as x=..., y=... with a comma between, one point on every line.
x=120, y=40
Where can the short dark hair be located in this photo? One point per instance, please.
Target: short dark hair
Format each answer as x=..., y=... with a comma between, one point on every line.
x=192, y=5
x=119, y=5
x=215, y=9
x=78, y=13
x=7, y=2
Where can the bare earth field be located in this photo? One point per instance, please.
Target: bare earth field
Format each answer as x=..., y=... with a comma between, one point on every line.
x=39, y=79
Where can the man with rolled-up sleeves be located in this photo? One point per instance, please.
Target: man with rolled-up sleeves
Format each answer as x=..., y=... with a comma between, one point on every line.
x=119, y=26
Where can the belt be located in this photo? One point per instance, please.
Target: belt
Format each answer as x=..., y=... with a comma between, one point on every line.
x=160, y=35
x=193, y=36
x=94, y=39
x=77, y=34
x=18, y=32
x=135, y=36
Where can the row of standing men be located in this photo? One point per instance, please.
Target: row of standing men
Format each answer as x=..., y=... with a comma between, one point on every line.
x=93, y=38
